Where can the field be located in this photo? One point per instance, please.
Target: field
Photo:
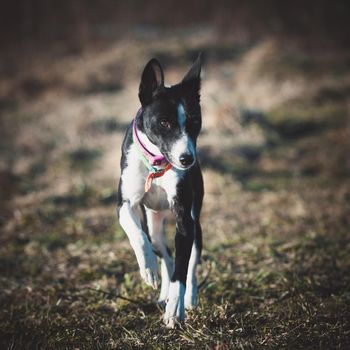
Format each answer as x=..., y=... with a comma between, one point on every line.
x=276, y=219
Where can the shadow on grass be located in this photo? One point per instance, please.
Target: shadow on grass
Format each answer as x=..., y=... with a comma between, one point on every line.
x=242, y=164
x=83, y=158
x=107, y=125
x=83, y=196
x=284, y=130
x=97, y=85
x=295, y=121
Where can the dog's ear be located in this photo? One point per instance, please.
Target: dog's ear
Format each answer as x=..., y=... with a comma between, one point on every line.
x=192, y=79
x=152, y=80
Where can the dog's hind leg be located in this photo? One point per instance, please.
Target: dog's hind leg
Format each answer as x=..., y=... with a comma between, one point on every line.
x=156, y=230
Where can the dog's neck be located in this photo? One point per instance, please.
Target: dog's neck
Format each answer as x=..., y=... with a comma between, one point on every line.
x=149, y=151
x=151, y=147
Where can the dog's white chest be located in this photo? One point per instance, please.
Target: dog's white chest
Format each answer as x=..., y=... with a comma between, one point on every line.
x=162, y=192
x=156, y=198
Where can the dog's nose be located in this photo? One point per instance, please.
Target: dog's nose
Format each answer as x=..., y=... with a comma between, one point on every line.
x=186, y=159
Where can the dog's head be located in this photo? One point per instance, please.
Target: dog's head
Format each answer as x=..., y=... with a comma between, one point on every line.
x=171, y=117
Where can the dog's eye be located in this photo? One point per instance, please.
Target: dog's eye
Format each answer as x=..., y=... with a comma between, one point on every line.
x=165, y=124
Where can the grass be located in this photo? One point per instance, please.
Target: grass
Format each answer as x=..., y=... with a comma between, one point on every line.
x=296, y=121
x=83, y=158
x=283, y=286
x=268, y=294
x=106, y=125
x=275, y=267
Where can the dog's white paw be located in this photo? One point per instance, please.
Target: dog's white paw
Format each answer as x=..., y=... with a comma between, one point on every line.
x=171, y=322
x=175, y=306
x=148, y=266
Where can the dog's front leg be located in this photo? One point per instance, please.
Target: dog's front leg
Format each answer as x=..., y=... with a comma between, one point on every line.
x=175, y=307
x=130, y=221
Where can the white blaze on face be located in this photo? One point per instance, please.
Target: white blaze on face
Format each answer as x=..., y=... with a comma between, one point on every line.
x=181, y=116
x=183, y=145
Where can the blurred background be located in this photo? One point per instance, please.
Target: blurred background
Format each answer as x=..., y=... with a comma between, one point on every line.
x=274, y=151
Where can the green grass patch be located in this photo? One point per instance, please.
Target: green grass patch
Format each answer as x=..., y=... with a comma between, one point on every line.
x=53, y=240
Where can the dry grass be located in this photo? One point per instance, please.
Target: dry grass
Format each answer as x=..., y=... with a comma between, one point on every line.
x=274, y=150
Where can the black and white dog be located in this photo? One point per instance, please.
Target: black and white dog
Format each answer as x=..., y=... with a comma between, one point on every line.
x=160, y=171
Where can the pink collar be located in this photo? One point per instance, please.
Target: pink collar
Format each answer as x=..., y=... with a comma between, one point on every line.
x=152, y=159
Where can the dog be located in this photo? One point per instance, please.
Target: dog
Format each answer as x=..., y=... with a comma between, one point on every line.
x=160, y=171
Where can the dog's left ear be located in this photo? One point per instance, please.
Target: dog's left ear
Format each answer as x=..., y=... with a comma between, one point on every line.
x=192, y=79
x=152, y=80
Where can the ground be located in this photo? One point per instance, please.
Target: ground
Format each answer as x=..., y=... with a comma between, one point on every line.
x=275, y=155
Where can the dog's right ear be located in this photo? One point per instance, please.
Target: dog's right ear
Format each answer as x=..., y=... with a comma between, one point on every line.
x=152, y=80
